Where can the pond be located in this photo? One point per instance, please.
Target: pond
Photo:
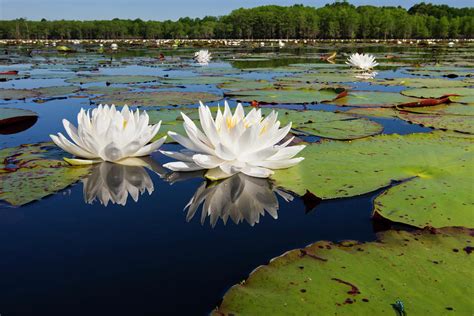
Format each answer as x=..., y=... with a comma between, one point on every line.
x=133, y=240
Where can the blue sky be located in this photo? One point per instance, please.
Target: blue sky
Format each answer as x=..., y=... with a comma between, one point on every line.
x=159, y=9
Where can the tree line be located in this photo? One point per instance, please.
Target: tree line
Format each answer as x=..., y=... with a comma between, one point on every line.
x=339, y=20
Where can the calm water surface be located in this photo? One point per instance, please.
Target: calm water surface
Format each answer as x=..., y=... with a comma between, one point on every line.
x=70, y=255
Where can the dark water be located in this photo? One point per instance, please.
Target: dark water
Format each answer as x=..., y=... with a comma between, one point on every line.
x=63, y=256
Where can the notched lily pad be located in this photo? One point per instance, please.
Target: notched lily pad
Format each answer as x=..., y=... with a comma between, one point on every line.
x=350, y=278
x=157, y=98
x=33, y=171
x=435, y=170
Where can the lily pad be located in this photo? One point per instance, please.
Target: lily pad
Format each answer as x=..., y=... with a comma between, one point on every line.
x=435, y=170
x=457, y=123
x=286, y=95
x=14, y=120
x=31, y=172
x=373, y=99
x=323, y=77
x=199, y=80
x=157, y=98
x=424, y=82
x=113, y=79
x=374, y=112
x=56, y=91
x=17, y=94
x=350, y=278
x=466, y=95
x=246, y=85
x=329, y=124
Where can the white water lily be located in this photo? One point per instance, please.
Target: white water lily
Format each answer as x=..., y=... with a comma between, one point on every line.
x=113, y=183
x=107, y=134
x=233, y=143
x=239, y=198
x=202, y=57
x=362, y=61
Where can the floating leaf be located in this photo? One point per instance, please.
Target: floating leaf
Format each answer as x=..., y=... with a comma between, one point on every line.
x=157, y=98
x=246, y=85
x=31, y=172
x=457, y=123
x=14, y=120
x=373, y=98
x=286, y=95
x=374, y=112
x=464, y=95
x=436, y=170
x=350, y=278
x=113, y=79
x=56, y=91
x=329, y=124
x=199, y=80
x=424, y=82
x=17, y=94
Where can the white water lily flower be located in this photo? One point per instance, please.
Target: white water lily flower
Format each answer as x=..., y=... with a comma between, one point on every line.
x=362, y=61
x=239, y=198
x=111, y=182
x=233, y=143
x=202, y=57
x=109, y=135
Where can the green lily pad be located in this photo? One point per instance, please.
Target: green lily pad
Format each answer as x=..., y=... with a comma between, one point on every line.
x=13, y=77
x=56, y=91
x=285, y=95
x=17, y=94
x=246, y=85
x=157, y=98
x=434, y=72
x=435, y=169
x=329, y=124
x=373, y=99
x=374, y=112
x=466, y=95
x=350, y=278
x=113, y=79
x=31, y=172
x=323, y=77
x=100, y=90
x=457, y=123
x=424, y=82
x=199, y=80
x=442, y=109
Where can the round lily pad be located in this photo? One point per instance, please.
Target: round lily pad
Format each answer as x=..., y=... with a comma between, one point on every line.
x=374, y=112
x=435, y=170
x=285, y=95
x=33, y=171
x=350, y=278
x=199, y=80
x=373, y=99
x=424, y=82
x=113, y=79
x=466, y=95
x=56, y=91
x=17, y=94
x=323, y=77
x=157, y=98
x=457, y=123
x=329, y=124
x=246, y=85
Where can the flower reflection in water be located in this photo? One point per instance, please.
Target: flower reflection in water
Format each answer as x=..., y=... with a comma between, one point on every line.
x=112, y=182
x=239, y=197
x=366, y=75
